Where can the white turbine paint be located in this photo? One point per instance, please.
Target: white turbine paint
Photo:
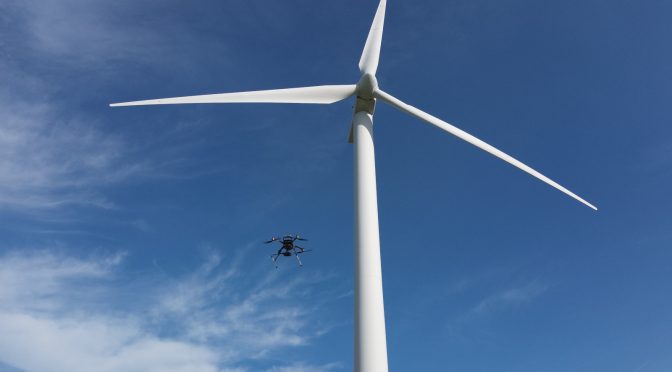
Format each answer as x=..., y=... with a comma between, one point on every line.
x=370, y=342
x=323, y=94
x=368, y=63
x=394, y=102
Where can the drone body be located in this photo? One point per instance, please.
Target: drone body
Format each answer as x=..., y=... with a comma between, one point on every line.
x=288, y=248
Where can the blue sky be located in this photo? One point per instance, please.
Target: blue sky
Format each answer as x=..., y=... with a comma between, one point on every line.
x=130, y=238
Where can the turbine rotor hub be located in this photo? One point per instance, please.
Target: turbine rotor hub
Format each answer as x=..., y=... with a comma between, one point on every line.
x=366, y=86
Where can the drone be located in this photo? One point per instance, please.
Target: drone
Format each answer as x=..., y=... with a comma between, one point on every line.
x=288, y=248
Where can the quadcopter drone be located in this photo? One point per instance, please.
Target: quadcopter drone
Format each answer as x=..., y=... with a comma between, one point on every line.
x=288, y=248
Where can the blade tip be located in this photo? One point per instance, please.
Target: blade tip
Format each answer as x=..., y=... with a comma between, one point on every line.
x=589, y=205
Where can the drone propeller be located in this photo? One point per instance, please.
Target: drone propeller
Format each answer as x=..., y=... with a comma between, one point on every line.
x=272, y=240
x=302, y=249
x=300, y=238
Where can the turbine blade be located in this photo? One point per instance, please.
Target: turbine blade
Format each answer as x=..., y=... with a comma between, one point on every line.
x=323, y=94
x=473, y=140
x=368, y=63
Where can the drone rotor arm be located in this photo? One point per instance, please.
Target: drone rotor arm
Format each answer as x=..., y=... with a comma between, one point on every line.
x=303, y=249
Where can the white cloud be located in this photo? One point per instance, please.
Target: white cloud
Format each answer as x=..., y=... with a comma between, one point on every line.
x=48, y=326
x=41, y=280
x=471, y=324
x=47, y=343
x=80, y=32
x=263, y=318
x=57, y=57
x=510, y=297
x=61, y=313
x=302, y=367
x=46, y=162
x=51, y=153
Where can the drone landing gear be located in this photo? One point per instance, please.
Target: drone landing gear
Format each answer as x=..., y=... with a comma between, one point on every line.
x=274, y=257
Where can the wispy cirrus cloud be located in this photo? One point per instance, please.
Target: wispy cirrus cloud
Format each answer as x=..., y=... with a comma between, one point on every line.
x=56, y=314
x=84, y=343
x=48, y=162
x=491, y=304
x=81, y=34
x=54, y=153
x=302, y=367
x=51, y=155
x=38, y=281
x=50, y=321
x=58, y=57
x=199, y=305
x=510, y=297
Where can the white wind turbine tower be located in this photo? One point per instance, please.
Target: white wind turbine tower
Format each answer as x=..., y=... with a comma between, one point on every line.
x=370, y=342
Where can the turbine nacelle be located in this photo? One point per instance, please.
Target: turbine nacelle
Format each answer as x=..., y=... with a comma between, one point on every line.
x=365, y=91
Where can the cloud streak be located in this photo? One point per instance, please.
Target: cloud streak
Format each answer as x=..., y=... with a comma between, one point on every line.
x=51, y=156
x=508, y=298
x=53, y=153
x=46, y=162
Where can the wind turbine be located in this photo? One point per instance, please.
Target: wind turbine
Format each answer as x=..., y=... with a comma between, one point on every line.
x=370, y=341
